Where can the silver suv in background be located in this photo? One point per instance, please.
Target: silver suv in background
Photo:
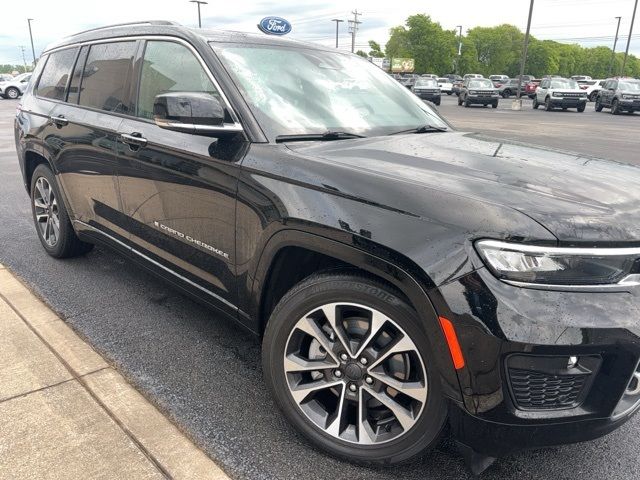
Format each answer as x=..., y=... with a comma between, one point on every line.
x=16, y=87
x=556, y=92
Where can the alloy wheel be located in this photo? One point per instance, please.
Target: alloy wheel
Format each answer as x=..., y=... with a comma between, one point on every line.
x=12, y=93
x=46, y=212
x=355, y=373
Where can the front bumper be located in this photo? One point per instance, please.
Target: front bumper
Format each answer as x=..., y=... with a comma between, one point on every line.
x=538, y=399
x=426, y=95
x=568, y=102
x=632, y=105
x=483, y=98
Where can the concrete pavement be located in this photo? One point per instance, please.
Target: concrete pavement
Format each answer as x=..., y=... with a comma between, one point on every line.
x=66, y=413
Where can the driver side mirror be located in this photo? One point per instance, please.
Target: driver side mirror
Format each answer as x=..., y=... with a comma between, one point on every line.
x=191, y=112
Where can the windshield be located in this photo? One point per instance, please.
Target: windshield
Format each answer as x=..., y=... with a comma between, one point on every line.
x=480, y=83
x=629, y=85
x=426, y=82
x=564, y=83
x=293, y=90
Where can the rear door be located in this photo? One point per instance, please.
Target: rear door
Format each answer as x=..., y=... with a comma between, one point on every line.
x=179, y=189
x=83, y=134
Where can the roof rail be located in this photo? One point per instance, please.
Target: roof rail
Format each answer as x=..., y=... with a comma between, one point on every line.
x=142, y=22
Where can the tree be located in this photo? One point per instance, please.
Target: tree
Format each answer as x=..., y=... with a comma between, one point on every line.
x=376, y=50
x=362, y=54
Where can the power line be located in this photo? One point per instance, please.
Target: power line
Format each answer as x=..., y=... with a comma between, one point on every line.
x=353, y=28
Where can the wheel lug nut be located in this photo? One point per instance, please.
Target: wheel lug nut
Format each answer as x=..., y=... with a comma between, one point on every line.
x=353, y=387
x=363, y=361
x=344, y=357
x=369, y=380
x=338, y=373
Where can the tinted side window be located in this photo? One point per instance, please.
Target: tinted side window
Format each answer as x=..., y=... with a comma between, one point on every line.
x=107, y=76
x=169, y=67
x=74, y=86
x=55, y=76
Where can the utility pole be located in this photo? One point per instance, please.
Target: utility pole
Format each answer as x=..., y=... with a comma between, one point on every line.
x=24, y=59
x=517, y=103
x=353, y=28
x=459, y=49
x=33, y=50
x=626, y=53
x=199, y=2
x=615, y=42
x=338, y=22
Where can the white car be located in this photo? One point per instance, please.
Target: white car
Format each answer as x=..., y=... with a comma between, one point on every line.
x=592, y=87
x=445, y=85
x=560, y=93
x=16, y=87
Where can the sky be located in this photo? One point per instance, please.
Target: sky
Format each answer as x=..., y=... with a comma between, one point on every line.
x=587, y=22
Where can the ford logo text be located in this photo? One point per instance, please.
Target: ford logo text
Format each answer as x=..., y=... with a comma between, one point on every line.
x=274, y=26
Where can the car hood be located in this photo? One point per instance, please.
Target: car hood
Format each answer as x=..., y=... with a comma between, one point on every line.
x=579, y=199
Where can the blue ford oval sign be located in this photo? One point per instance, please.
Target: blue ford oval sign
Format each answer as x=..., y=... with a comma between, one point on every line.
x=274, y=26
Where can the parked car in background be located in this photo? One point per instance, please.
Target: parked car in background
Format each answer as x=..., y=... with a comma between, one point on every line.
x=509, y=88
x=409, y=79
x=560, y=93
x=445, y=85
x=453, y=77
x=592, y=87
x=478, y=91
x=472, y=75
x=530, y=88
x=15, y=87
x=578, y=78
x=457, y=86
x=427, y=88
x=619, y=95
x=429, y=75
x=498, y=80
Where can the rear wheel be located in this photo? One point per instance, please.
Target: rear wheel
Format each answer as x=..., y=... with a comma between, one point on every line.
x=506, y=93
x=593, y=96
x=349, y=366
x=51, y=218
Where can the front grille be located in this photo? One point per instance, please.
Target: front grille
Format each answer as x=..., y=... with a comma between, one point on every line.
x=539, y=390
x=570, y=95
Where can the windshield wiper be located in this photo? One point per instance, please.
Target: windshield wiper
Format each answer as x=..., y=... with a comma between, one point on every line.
x=330, y=135
x=422, y=129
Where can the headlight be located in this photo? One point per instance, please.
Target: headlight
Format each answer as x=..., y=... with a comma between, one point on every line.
x=473, y=92
x=556, y=94
x=557, y=265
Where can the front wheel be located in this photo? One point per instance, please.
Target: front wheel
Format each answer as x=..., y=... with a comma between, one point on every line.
x=12, y=93
x=467, y=103
x=51, y=218
x=494, y=104
x=349, y=365
x=547, y=104
x=615, y=107
x=581, y=107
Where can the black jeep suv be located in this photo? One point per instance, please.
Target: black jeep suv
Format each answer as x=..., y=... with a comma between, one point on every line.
x=619, y=95
x=403, y=276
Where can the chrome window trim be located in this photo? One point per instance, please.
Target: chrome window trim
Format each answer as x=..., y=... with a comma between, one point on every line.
x=235, y=126
x=517, y=247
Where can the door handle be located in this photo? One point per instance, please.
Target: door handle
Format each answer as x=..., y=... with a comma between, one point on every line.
x=59, y=121
x=134, y=139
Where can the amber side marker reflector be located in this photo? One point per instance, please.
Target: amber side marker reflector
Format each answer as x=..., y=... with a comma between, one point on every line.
x=452, y=342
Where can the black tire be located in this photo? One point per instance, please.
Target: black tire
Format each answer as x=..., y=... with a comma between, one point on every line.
x=67, y=244
x=615, y=107
x=547, y=104
x=582, y=107
x=449, y=93
x=467, y=103
x=324, y=288
x=459, y=100
x=12, y=93
x=593, y=96
x=506, y=93
x=437, y=101
x=598, y=105
x=494, y=104
x=535, y=103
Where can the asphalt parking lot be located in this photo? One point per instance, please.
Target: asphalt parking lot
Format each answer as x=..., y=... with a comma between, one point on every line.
x=206, y=374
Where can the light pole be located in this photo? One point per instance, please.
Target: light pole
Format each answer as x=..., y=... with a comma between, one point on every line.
x=615, y=42
x=33, y=50
x=338, y=21
x=517, y=103
x=626, y=53
x=199, y=2
x=459, y=49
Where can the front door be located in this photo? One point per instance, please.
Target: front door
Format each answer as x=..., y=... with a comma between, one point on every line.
x=178, y=189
